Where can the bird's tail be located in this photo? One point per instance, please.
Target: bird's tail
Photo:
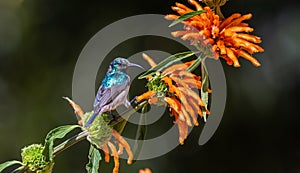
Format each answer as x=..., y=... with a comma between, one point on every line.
x=90, y=120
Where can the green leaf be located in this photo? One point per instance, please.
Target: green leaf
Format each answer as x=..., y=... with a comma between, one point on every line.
x=186, y=16
x=166, y=62
x=140, y=133
x=204, y=88
x=56, y=133
x=94, y=160
x=193, y=66
x=8, y=164
x=21, y=168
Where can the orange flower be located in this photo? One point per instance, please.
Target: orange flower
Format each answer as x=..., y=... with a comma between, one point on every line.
x=100, y=134
x=227, y=38
x=146, y=170
x=122, y=143
x=174, y=86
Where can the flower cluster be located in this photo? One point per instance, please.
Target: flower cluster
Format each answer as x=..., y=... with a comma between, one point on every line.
x=228, y=38
x=100, y=134
x=176, y=87
x=34, y=160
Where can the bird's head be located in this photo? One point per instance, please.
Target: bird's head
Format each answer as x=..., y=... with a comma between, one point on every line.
x=122, y=64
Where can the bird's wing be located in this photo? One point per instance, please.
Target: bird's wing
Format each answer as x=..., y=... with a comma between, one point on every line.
x=106, y=95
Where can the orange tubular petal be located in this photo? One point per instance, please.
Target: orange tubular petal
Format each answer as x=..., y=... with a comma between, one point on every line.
x=171, y=17
x=183, y=131
x=192, y=83
x=243, y=24
x=207, y=112
x=200, y=113
x=77, y=109
x=121, y=149
x=177, y=67
x=232, y=56
x=179, y=109
x=178, y=33
x=186, y=116
x=248, y=57
x=221, y=47
x=169, y=82
x=179, y=81
x=250, y=47
x=147, y=170
x=188, y=74
x=192, y=112
x=205, y=32
x=177, y=92
x=209, y=91
x=191, y=35
x=193, y=94
x=174, y=113
x=145, y=95
x=228, y=32
x=196, y=97
x=186, y=108
x=249, y=37
x=149, y=60
x=228, y=20
x=172, y=89
x=196, y=4
x=228, y=60
x=116, y=157
x=152, y=100
x=176, y=107
x=180, y=10
x=149, y=77
x=121, y=140
x=189, y=63
x=215, y=31
x=173, y=68
x=106, y=152
x=189, y=81
x=208, y=41
x=183, y=7
x=173, y=103
x=80, y=122
x=216, y=20
x=239, y=20
x=211, y=15
x=197, y=24
x=195, y=106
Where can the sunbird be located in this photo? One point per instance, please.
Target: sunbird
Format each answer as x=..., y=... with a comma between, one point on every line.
x=114, y=88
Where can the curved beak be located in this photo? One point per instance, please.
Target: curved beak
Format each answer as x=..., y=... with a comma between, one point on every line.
x=135, y=65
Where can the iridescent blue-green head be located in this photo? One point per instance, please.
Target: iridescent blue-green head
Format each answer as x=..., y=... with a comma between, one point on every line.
x=121, y=64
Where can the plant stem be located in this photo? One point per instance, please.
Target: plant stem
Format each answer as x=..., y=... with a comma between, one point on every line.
x=140, y=133
x=70, y=142
x=127, y=114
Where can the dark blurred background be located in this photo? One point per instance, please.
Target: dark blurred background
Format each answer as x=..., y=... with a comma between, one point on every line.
x=40, y=41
